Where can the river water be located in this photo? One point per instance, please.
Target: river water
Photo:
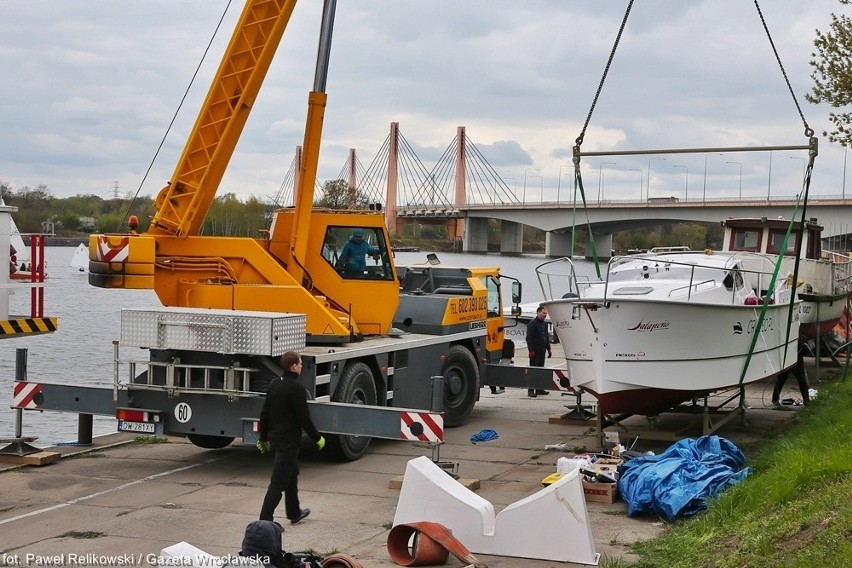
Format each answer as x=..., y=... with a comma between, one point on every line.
x=81, y=351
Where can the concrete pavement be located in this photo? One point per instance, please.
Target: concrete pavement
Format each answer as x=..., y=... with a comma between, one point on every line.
x=131, y=500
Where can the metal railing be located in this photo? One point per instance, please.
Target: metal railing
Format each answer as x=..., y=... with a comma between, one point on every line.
x=742, y=268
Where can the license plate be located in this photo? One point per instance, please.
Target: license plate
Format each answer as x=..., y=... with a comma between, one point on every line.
x=146, y=427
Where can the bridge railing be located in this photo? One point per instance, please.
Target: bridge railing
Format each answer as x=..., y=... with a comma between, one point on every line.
x=780, y=199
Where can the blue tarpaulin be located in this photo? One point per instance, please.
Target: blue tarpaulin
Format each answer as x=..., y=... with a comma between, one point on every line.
x=680, y=481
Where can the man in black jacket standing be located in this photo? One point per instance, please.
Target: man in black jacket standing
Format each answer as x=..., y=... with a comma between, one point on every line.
x=284, y=416
x=538, y=343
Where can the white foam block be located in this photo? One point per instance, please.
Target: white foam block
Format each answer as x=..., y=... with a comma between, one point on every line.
x=184, y=554
x=551, y=524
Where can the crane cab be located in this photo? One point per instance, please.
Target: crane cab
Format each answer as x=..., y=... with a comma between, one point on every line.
x=367, y=290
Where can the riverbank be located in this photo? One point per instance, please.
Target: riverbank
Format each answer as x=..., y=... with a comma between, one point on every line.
x=793, y=510
x=60, y=241
x=137, y=498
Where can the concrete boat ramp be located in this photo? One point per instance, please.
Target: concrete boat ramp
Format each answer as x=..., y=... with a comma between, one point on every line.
x=127, y=501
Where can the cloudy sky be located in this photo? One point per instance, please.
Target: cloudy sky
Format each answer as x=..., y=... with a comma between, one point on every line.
x=91, y=87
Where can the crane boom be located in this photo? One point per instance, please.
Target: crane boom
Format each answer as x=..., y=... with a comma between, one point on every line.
x=184, y=202
x=295, y=266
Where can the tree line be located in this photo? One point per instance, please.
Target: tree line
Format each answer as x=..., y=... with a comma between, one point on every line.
x=39, y=211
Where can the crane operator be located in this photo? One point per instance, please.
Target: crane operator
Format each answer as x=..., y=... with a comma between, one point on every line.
x=353, y=257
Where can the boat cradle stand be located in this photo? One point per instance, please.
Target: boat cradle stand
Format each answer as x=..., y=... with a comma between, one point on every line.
x=579, y=414
x=714, y=414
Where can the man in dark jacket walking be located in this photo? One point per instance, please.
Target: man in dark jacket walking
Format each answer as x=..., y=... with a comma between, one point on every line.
x=538, y=343
x=284, y=416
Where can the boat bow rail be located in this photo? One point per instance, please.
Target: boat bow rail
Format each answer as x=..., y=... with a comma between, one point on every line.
x=558, y=278
x=738, y=275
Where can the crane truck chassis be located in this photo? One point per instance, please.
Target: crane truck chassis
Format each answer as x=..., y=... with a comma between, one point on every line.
x=207, y=371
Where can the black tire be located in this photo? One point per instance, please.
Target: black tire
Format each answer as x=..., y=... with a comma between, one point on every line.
x=461, y=385
x=356, y=387
x=210, y=442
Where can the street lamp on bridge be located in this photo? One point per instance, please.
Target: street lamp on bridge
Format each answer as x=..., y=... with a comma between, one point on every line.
x=600, y=179
x=524, y=200
x=686, y=193
x=648, y=188
x=769, y=178
x=741, y=177
x=559, y=182
x=641, y=181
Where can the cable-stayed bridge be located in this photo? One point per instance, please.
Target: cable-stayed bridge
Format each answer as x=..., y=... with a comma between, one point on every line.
x=463, y=191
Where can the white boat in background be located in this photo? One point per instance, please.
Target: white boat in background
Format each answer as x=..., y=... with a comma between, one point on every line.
x=80, y=260
x=20, y=257
x=823, y=278
x=20, y=253
x=663, y=328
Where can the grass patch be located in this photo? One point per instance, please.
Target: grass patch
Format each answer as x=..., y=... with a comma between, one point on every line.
x=151, y=440
x=794, y=510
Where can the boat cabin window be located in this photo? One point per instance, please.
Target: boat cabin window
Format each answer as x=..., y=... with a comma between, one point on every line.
x=745, y=239
x=776, y=239
x=733, y=280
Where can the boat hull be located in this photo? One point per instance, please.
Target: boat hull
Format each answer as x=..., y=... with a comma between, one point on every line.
x=643, y=357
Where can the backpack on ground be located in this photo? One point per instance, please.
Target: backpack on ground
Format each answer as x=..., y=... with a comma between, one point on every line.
x=263, y=540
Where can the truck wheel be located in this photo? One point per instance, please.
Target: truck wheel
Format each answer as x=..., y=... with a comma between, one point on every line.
x=356, y=387
x=209, y=442
x=461, y=384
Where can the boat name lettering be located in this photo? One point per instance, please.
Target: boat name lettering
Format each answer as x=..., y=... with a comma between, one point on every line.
x=803, y=309
x=765, y=326
x=630, y=355
x=649, y=326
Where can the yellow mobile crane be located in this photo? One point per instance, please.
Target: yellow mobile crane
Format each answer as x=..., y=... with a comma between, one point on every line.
x=284, y=272
x=375, y=343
